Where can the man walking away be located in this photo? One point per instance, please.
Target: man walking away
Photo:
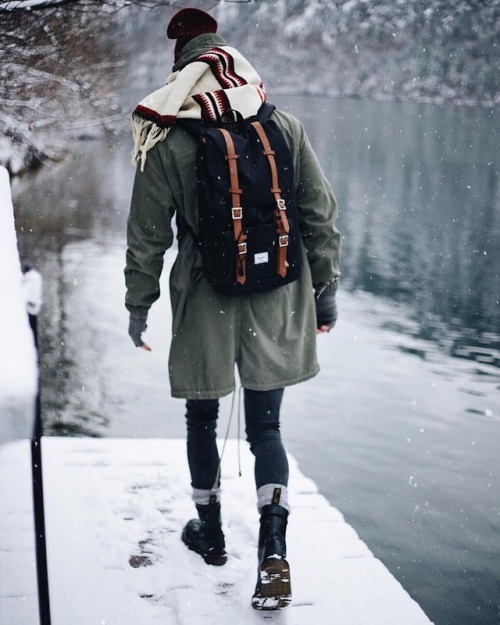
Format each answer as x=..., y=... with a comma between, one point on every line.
x=269, y=335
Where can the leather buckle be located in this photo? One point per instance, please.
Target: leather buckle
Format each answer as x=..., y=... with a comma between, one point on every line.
x=242, y=248
x=281, y=204
x=237, y=212
x=283, y=240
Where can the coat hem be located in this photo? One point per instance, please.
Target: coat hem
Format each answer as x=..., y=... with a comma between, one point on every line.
x=216, y=394
x=197, y=394
x=270, y=387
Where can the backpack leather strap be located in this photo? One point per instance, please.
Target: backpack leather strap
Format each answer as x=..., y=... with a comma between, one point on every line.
x=236, y=209
x=283, y=227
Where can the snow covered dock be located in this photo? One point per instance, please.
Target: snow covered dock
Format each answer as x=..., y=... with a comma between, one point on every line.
x=18, y=373
x=114, y=512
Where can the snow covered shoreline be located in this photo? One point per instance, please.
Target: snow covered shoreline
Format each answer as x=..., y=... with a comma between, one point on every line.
x=437, y=53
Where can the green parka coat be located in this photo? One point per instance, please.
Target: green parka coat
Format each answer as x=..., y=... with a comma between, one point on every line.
x=270, y=336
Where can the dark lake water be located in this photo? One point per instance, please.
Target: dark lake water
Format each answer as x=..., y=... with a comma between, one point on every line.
x=401, y=429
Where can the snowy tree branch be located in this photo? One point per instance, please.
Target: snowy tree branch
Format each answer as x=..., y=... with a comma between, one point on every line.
x=55, y=74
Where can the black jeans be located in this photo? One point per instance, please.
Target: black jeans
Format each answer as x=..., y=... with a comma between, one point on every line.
x=262, y=421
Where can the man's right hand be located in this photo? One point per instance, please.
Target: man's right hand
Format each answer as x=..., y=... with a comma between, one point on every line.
x=326, y=311
x=137, y=325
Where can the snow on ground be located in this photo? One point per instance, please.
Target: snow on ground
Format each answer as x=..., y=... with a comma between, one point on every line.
x=18, y=375
x=18, y=589
x=115, y=509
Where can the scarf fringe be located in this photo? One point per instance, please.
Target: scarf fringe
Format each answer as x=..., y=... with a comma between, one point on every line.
x=146, y=134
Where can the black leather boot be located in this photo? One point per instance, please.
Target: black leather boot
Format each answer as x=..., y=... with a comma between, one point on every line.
x=204, y=535
x=273, y=590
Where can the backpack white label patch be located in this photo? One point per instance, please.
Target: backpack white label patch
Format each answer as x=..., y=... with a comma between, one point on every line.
x=262, y=257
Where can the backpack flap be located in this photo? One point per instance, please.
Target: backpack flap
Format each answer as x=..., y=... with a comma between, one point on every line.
x=247, y=215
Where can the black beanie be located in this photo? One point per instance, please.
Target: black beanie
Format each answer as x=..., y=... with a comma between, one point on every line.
x=187, y=24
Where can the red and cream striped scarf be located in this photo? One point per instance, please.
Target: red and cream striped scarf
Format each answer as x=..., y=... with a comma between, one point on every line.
x=219, y=80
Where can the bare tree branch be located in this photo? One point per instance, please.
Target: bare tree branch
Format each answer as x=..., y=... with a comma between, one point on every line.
x=32, y=5
x=41, y=5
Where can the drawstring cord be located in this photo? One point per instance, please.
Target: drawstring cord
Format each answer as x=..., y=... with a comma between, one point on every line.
x=217, y=475
x=239, y=430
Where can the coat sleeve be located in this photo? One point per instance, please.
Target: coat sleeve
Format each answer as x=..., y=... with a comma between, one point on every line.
x=149, y=232
x=317, y=213
x=316, y=204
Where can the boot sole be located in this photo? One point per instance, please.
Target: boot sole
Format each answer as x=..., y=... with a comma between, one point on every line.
x=274, y=589
x=214, y=560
